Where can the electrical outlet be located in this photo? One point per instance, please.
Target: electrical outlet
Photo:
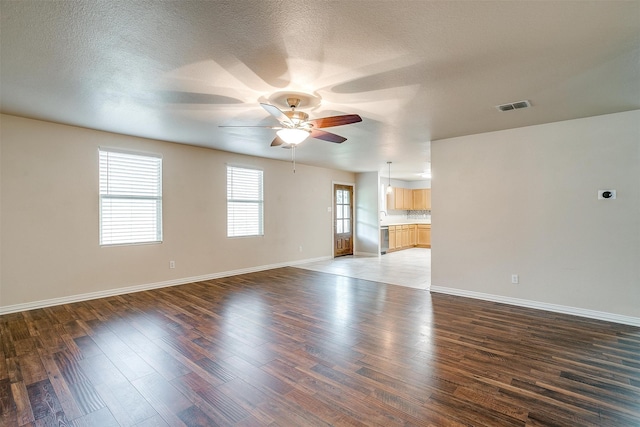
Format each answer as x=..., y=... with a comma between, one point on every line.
x=606, y=194
x=300, y=249
x=172, y=264
x=515, y=279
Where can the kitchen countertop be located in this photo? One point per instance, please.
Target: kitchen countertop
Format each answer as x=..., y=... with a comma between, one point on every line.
x=409, y=221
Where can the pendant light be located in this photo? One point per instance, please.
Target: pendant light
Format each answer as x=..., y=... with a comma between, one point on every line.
x=389, y=189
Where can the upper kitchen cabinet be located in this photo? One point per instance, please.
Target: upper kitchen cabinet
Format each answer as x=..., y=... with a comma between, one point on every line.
x=395, y=199
x=422, y=199
x=399, y=199
x=407, y=199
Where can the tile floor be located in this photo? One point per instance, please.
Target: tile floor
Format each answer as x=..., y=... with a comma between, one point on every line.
x=409, y=267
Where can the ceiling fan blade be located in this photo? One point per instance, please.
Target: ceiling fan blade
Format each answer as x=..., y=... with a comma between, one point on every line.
x=277, y=141
x=277, y=113
x=328, y=122
x=327, y=136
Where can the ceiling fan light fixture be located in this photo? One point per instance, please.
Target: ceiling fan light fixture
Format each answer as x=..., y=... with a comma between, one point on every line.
x=297, y=117
x=293, y=136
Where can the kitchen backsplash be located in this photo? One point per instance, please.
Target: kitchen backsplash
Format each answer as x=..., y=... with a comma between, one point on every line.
x=421, y=214
x=396, y=216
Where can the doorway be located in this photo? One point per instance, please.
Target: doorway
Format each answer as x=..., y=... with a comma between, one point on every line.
x=342, y=220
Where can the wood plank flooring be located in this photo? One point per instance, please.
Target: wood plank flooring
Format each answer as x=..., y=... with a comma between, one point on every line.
x=293, y=347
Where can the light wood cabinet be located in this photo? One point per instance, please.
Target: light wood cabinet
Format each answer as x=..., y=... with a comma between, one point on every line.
x=392, y=237
x=405, y=236
x=418, y=198
x=424, y=235
x=422, y=199
x=395, y=199
x=407, y=199
x=409, y=236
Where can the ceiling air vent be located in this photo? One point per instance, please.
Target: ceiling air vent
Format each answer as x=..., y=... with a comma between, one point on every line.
x=514, y=105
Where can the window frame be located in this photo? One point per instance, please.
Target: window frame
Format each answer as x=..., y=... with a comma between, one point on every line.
x=108, y=195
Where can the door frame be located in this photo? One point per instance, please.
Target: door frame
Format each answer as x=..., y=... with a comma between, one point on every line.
x=333, y=214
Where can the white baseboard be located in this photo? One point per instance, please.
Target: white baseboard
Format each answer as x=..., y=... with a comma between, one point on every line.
x=581, y=312
x=145, y=287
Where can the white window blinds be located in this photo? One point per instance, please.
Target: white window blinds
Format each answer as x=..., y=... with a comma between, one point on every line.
x=244, y=202
x=130, y=198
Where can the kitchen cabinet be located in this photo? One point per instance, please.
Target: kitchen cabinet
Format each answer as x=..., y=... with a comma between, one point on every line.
x=401, y=199
x=409, y=236
x=405, y=236
x=392, y=237
x=418, y=198
x=395, y=199
x=424, y=235
x=398, y=237
x=407, y=199
x=413, y=228
x=422, y=199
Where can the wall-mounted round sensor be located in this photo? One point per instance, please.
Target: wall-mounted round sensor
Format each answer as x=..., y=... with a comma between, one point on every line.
x=606, y=194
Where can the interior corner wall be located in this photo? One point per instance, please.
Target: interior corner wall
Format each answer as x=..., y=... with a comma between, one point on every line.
x=524, y=201
x=367, y=240
x=49, y=217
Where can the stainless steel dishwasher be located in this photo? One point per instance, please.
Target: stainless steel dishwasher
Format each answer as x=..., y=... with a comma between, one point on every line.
x=384, y=239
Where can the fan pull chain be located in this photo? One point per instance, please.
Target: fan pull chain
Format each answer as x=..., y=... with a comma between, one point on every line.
x=293, y=157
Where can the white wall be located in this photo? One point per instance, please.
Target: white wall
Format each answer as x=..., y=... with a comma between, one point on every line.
x=424, y=183
x=49, y=214
x=523, y=201
x=367, y=209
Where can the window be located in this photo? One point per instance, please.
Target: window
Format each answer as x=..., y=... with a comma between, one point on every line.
x=130, y=198
x=343, y=211
x=244, y=202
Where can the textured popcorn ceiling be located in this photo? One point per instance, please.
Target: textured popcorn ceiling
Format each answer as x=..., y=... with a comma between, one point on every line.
x=414, y=70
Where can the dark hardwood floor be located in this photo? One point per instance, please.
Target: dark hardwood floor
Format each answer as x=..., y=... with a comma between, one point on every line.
x=292, y=347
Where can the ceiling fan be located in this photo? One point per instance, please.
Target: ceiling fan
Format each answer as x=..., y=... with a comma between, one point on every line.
x=295, y=126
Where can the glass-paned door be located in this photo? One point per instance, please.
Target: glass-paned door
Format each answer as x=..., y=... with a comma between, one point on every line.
x=343, y=220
